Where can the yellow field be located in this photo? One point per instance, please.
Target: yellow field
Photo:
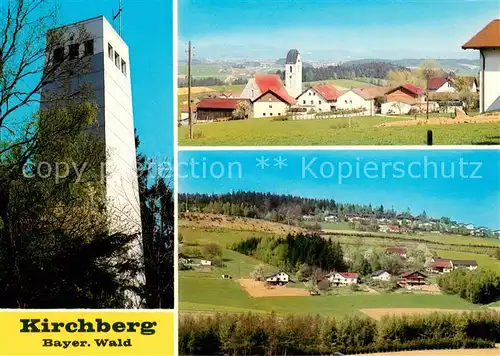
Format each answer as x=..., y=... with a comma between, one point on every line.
x=194, y=90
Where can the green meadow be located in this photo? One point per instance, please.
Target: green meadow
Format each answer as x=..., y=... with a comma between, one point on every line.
x=336, y=131
x=201, y=291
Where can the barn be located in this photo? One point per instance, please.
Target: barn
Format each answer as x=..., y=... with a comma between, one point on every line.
x=210, y=109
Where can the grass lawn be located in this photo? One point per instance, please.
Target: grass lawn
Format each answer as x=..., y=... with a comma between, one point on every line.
x=335, y=225
x=226, y=295
x=224, y=237
x=261, y=132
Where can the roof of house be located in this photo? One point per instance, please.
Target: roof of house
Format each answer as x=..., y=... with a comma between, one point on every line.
x=488, y=37
x=291, y=57
x=436, y=83
x=218, y=103
x=185, y=108
x=272, y=82
x=370, y=92
x=399, y=250
x=465, y=262
x=329, y=92
x=379, y=272
x=441, y=263
x=409, y=273
x=348, y=274
x=412, y=88
x=276, y=273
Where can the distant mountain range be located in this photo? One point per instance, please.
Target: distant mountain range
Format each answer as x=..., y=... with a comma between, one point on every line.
x=458, y=65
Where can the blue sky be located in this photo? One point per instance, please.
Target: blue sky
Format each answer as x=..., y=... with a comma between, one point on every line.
x=147, y=29
x=471, y=196
x=335, y=28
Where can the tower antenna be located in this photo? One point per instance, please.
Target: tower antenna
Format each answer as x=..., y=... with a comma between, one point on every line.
x=119, y=14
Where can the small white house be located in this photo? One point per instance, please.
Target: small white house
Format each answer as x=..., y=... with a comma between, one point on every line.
x=205, y=263
x=321, y=98
x=342, y=278
x=487, y=41
x=381, y=275
x=361, y=98
x=278, y=278
x=398, y=107
x=270, y=104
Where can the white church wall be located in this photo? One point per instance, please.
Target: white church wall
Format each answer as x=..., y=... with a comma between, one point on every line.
x=491, y=80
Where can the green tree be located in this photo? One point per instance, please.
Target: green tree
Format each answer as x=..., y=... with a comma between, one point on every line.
x=212, y=250
x=258, y=273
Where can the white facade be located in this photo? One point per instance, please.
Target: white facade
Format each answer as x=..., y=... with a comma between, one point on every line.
x=269, y=105
x=206, y=263
x=338, y=279
x=293, y=74
x=351, y=100
x=251, y=90
x=395, y=107
x=109, y=76
x=385, y=276
x=447, y=87
x=311, y=99
x=489, y=79
x=280, y=277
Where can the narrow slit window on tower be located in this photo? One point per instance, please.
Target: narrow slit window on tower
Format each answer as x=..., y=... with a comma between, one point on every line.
x=59, y=54
x=117, y=60
x=74, y=51
x=124, y=67
x=89, y=48
x=290, y=69
x=110, y=51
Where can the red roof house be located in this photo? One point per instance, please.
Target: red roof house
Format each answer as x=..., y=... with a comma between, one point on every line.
x=488, y=37
x=209, y=109
x=401, y=251
x=412, y=279
x=273, y=83
x=436, y=83
x=328, y=92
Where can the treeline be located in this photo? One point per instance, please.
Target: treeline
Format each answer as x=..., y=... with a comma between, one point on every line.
x=294, y=250
x=478, y=287
x=210, y=82
x=251, y=334
x=284, y=208
x=378, y=70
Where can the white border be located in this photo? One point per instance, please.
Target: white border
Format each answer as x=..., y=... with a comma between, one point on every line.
x=337, y=148
x=176, y=157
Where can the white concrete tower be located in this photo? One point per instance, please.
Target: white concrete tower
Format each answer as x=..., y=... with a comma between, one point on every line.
x=293, y=73
x=107, y=54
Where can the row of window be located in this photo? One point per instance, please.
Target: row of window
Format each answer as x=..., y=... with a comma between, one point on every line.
x=74, y=51
x=319, y=102
x=119, y=63
x=270, y=114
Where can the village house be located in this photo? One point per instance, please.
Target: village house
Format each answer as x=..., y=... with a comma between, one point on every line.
x=441, y=85
x=210, y=109
x=322, y=98
x=381, y=275
x=400, y=251
x=361, y=98
x=442, y=265
x=487, y=41
x=185, y=114
x=205, y=262
x=412, y=279
x=342, y=278
x=271, y=104
x=268, y=95
x=279, y=277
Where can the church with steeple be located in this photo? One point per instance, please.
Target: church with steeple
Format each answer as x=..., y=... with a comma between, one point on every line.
x=293, y=73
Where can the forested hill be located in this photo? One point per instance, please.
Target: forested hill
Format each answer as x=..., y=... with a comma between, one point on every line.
x=261, y=205
x=349, y=71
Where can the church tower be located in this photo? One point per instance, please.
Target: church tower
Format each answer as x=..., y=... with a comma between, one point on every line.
x=293, y=73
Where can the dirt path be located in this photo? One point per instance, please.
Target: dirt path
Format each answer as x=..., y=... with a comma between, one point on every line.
x=378, y=313
x=480, y=119
x=258, y=289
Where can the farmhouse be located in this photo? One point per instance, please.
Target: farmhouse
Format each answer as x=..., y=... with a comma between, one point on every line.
x=210, y=109
x=271, y=104
x=402, y=99
x=468, y=264
x=439, y=265
x=342, y=278
x=381, y=275
x=400, y=251
x=361, y=98
x=487, y=41
x=320, y=98
x=441, y=85
x=410, y=279
x=205, y=262
x=279, y=277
